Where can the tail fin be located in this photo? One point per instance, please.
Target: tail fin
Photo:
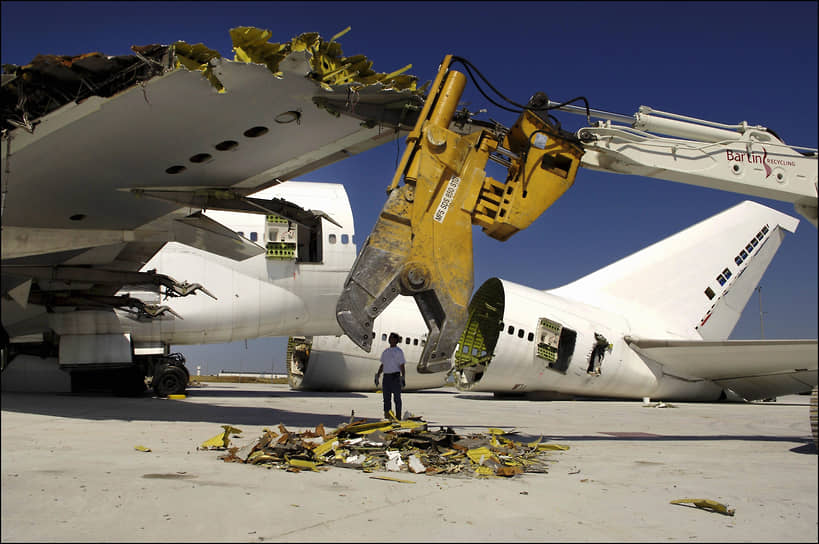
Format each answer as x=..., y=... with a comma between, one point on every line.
x=696, y=282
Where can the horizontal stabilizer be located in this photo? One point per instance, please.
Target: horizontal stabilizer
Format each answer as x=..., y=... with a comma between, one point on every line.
x=754, y=369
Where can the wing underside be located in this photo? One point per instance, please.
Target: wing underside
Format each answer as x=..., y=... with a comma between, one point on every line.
x=753, y=369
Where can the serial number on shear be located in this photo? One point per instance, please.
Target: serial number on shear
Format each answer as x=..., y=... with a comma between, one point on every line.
x=446, y=199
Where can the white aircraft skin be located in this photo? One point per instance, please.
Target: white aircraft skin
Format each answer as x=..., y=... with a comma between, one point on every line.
x=335, y=363
x=658, y=294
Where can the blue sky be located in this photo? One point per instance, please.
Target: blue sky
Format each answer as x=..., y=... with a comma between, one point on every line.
x=721, y=61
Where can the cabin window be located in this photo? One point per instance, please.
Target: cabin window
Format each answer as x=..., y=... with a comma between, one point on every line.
x=738, y=259
x=743, y=254
x=749, y=248
x=345, y=238
x=765, y=229
x=727, y=274
x=511, y=329
x=759, y=235
x=414, y=341
x=240, y=233
x=754, y=242
x=332, y=238
x=531, y=337
x=709, y=293
x=383, y=337
x=520, y=333
x=254, y=236
x=721, y=279
x=408, y=341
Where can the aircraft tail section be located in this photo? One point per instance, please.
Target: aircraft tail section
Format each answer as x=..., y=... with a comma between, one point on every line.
x=694, y=283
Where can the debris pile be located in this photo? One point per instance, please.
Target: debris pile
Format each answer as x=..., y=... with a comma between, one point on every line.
x=407, y=446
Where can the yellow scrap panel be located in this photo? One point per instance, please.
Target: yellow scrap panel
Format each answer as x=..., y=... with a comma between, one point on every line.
x=221, y=440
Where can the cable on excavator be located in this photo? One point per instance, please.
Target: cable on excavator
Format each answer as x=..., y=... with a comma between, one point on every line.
x=542, y=105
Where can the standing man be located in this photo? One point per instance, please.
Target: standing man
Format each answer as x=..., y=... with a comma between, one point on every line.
x=392, y=364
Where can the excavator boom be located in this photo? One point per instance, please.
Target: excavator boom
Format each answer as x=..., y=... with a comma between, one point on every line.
x=421, y=245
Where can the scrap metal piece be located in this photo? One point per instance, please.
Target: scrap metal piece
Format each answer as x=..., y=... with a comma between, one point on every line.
x=415, y=465
x=394, y=462
x=303, y=464
x=221, y=440
x=707, y=504
x=392, y=479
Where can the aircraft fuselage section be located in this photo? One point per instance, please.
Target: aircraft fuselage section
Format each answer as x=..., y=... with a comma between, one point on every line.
x=542, y=342
x=255, y=298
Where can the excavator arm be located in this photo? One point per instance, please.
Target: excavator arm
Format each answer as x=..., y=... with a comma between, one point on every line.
x=745, y=159
x=421, y=244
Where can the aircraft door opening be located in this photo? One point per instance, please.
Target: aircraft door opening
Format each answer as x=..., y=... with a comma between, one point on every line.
x=476, y=346
x=555, y=344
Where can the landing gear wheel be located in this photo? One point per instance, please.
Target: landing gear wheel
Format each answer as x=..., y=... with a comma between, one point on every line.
x=169, y=380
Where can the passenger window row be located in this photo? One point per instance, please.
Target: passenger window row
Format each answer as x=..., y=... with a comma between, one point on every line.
x=254, y=236
x=725, y=275
x=406, y=340
x=520, y=333
x=345, y=238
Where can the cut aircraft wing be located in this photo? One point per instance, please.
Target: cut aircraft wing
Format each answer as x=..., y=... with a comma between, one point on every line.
x=753, y=369
x=87, y=138
x=181, y=116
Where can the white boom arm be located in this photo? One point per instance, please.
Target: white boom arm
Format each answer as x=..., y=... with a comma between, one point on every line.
x=739, y=158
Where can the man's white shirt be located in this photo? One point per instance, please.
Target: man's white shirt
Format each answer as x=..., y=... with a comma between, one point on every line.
x=392, y=359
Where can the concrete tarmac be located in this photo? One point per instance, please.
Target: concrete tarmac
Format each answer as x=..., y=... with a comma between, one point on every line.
x=70, y=471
